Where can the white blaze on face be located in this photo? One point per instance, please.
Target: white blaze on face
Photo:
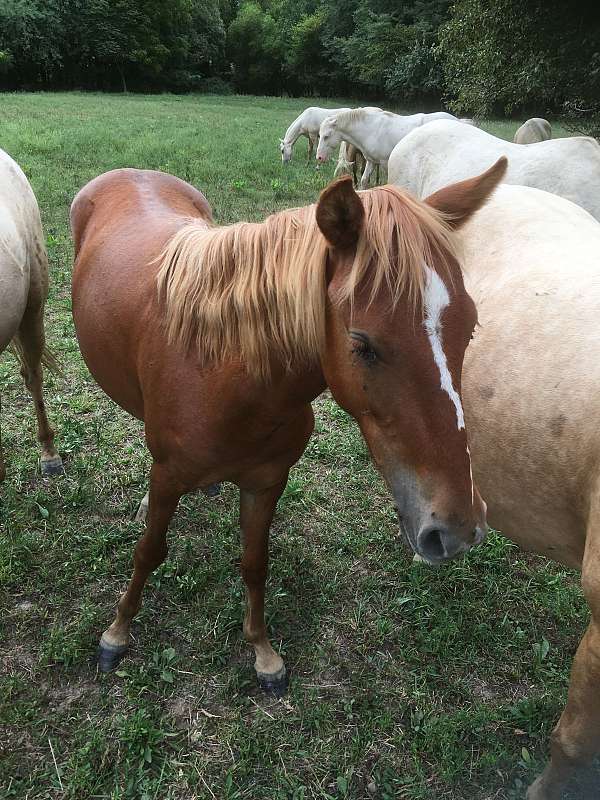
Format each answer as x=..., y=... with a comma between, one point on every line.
x=437, y=300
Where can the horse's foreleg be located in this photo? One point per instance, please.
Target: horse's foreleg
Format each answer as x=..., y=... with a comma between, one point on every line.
x=150, y=551
x=311, y=147
x=576, y=739
x=364, y=181
x=31, y=342
x=256, y=514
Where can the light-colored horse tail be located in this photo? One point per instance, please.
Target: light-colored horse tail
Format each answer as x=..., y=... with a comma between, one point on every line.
x=344, y=165
x=49, y=360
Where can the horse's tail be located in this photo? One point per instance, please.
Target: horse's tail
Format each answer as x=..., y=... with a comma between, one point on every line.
x=343, y=166
x=49, y=360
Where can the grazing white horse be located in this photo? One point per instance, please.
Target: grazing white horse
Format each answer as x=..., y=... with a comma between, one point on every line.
x=531, y=395
x=307, y=124
x=535, y=129
x=445, y=152
x=23, y=291
x=373, y=131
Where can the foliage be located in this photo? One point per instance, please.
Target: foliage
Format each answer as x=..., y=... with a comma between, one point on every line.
x=511, y=56
x=518, y=55
x=254, y=45
x=110, y=43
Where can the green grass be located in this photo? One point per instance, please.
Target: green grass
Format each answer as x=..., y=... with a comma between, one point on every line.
x=406, y=682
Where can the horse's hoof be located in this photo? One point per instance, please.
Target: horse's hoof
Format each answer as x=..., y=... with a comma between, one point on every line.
x=52, y=466
x=275, y=684
x=110, y=656
x=539, y=791
x=212, y=490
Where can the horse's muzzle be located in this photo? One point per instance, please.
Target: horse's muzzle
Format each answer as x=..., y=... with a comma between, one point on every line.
x=439, y=543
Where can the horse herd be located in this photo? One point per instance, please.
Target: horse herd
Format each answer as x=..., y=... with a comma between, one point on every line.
x=456, y=321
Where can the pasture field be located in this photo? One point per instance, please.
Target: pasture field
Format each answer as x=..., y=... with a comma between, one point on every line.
x=406, y=682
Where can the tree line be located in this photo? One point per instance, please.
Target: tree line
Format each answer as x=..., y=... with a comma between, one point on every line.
x=539, y=56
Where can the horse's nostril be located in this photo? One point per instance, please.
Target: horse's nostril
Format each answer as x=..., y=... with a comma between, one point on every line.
x=431, y=544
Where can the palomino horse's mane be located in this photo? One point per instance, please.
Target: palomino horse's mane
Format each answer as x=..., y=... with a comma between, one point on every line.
x=258, y=290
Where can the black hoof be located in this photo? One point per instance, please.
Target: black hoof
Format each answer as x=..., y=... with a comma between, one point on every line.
x=52, y=466
x=109, y=656
x=276, y=684
x=212, y=490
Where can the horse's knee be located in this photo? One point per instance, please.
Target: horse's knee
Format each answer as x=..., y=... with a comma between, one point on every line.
x=253, y=576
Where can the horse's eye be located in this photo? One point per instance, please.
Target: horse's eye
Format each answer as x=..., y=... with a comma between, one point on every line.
x=362, y=347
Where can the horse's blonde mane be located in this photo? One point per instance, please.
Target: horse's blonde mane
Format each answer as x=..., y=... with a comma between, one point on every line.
x=257, y=291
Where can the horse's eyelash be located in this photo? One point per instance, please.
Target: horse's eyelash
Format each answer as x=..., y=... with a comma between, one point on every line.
x=364, y=350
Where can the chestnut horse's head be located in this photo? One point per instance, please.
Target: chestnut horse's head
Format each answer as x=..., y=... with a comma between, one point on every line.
x=398, y=321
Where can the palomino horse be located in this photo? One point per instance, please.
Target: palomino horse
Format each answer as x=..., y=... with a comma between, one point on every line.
x=23, y=292
x=531, y=389
x=352, y=161
x=220, y=338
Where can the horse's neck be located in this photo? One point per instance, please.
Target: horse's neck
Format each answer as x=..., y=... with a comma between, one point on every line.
x=364, y=134
x=293, y=132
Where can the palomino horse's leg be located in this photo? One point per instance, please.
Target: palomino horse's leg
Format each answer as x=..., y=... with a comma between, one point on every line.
x=31, y=341
x=576, y=739
x=150, y=551
x=2, y=465
x=311, y=147
x=256, y=514
x=364, y=181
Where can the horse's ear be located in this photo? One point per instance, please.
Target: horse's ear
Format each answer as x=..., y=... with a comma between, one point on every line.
x=340, y=214
x=460, y=201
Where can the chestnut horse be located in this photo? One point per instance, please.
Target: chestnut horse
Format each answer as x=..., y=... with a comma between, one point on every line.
x=23, y=292
x=220, y=338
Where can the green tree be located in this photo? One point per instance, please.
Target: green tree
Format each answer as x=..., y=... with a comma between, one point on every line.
x=255, y=48
x=524, y=55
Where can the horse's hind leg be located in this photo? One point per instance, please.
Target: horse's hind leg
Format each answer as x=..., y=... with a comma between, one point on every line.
x=576, y=739
x=30, y=343
x=2, y=465
x=150, y=551
x=256, y=515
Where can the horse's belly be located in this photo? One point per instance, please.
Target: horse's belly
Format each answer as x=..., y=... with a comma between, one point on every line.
x=532, y=460
x=106, y=349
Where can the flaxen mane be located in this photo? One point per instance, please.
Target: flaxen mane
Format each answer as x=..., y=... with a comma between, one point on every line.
x=258, y=290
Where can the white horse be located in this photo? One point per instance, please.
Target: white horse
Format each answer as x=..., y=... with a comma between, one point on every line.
x=23, y=292
x=307, y=124
x=444, y=152
x=373, y=131
x=535, y=129
x=531, y=394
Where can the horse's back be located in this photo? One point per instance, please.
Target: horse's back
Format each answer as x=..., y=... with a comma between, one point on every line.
x=445, y=151
x=121, y=222
x=533, y=130
x=532, y=374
